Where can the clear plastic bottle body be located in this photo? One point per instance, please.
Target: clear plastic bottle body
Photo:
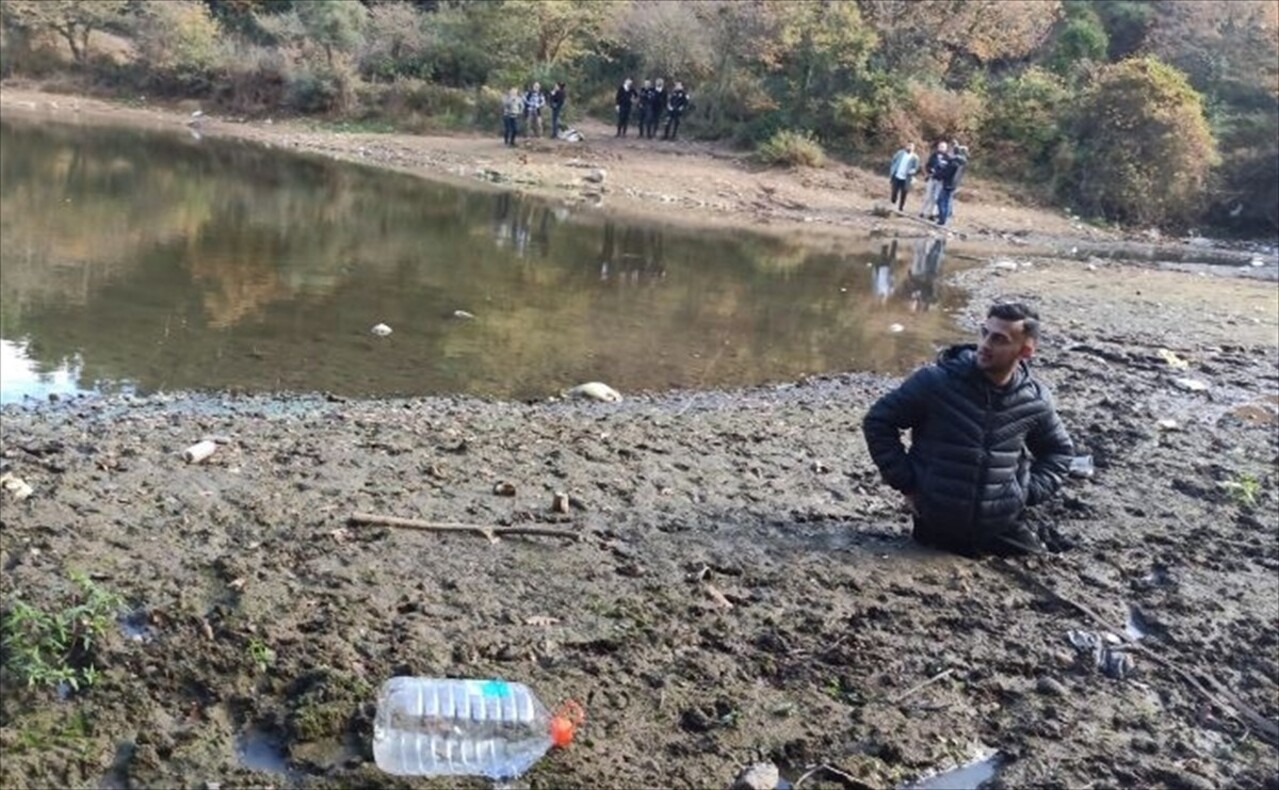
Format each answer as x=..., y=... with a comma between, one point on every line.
x=451, y=727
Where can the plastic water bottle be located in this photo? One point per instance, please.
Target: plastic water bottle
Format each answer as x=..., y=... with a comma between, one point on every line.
x=451, y=727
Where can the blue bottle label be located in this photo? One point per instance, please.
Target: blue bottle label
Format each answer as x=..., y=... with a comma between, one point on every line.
x=495, y=688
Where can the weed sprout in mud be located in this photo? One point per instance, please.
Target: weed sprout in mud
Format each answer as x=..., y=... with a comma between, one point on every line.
x=56, y=646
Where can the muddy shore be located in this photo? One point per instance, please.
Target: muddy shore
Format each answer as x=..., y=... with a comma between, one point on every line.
x=260, y=620
x=741, y=588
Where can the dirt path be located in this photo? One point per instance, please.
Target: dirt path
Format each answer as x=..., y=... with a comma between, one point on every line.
x=259, y=621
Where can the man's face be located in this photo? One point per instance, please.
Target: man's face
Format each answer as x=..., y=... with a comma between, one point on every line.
x=941, y=148
x=1002, y=344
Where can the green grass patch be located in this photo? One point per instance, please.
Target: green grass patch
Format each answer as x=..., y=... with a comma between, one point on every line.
x=49, y=647
x=260, y=654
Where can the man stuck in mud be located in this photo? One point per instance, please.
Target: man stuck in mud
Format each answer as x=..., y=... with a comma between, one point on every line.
x=986, y=442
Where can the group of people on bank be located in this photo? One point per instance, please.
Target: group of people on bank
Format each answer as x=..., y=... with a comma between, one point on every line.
x=944, y=172
x=648, y=106
x=528, y=106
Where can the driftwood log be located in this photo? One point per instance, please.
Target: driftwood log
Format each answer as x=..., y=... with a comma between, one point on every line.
x=490, y=532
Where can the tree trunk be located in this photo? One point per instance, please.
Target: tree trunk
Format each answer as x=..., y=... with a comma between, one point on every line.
x=69, y=33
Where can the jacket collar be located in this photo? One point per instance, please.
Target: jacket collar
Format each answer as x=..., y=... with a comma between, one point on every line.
x=960, y=360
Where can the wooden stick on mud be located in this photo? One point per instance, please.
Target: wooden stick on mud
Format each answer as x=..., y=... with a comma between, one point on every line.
x=1223, y=697
x=489, y=532
x=920, y=686
x=847, y=779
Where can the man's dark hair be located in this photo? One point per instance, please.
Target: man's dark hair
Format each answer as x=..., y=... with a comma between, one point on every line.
x=1016, y=311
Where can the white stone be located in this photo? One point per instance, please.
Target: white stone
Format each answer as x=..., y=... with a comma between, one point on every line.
x=595, y=390
x=1190, y=385
x=381, y=330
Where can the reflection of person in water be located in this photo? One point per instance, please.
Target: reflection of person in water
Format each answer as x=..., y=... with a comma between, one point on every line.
x=637, y=255
x=925, y=269
x=881, y=278
x=503, y=230
x=520, y=223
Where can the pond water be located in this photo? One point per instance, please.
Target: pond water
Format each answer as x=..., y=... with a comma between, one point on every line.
x=157, y=262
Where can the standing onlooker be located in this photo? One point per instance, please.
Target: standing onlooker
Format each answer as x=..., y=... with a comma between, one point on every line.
x=534, y=101
x=675, y=106
x=962, y=152
x=658, y=107
x=557, y=106
x=625, y=98
x=512, y=109
x=932, y=189
x=645, y=105
x=950, y=175
x=905, y=165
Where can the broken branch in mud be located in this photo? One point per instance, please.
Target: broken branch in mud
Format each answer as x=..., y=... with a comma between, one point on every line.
x=921, y=686
x=1267, y=729
x=848, y=780
x=490, y=532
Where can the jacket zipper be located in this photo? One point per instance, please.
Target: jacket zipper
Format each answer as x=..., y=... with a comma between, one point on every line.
x=985, y=457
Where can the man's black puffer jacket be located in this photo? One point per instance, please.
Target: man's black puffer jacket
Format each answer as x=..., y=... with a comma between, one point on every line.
x=979, y=455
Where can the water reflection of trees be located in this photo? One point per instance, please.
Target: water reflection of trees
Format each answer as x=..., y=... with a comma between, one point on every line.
x=180, y=264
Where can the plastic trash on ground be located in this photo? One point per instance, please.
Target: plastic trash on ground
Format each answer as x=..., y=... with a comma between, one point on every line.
x=453, y=727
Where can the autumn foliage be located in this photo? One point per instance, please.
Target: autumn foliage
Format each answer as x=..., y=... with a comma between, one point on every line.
x=1158, y=112
x=1143, y=149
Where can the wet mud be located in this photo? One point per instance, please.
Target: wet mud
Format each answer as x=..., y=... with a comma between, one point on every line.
x=742, y=587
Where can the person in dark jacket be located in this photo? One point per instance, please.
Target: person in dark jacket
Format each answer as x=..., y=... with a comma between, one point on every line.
x=950, y=174
x=932, y=188
x=625, y=98
x=556, y=101
x=657, y=109
x=986, y=441
x=675, y=106
x=644, y=105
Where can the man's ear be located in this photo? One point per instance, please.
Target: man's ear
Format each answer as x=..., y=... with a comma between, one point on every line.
x=1027, y=349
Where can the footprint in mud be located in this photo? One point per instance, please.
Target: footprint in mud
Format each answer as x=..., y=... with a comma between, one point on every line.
x=1137, y=626
x=259, y=750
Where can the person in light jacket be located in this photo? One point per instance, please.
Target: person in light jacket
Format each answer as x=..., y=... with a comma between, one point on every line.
x=512, y=109
x=534, y=101
x=903, y=168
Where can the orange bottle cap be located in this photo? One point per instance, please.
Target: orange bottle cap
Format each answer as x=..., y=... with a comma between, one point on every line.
x=565, y=723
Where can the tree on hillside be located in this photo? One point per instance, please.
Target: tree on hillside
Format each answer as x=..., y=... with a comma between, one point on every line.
x=819, y=47
x=73, y=20
x=176, y=34
x=562, y=30
x=1143, y=149
x=1230, y=53
x=1081, y=38
x=396, y=43
x=927, y=37
x=669, y=39
x=333, y=24
x=1127, y=23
